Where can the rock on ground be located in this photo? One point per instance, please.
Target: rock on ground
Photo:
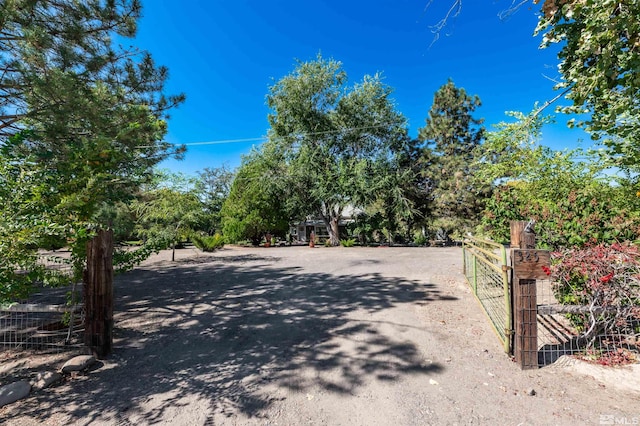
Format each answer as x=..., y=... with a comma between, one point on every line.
x=78, y=363
x=14, y=392
x=44, y=379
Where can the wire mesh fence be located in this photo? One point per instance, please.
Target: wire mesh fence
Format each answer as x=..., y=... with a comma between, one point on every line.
x=486, y=273
x=51, y=319
x=599, y=322
x=41, y=327
x=565, y=329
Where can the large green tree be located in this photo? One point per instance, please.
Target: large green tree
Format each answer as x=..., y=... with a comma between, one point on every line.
x=168, y=216
x=452, y=136
x=403, y=201
x=256, y=204
x=81, y=122
x=337, y=141
x=80, y=107
x=213, y=186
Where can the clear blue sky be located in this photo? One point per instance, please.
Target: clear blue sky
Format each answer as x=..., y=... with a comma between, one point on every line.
x=225, y=54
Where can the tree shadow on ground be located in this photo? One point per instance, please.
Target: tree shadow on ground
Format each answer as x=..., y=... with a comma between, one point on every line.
x=224, y=334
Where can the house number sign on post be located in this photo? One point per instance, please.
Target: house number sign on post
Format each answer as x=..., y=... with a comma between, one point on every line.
x=530, y=264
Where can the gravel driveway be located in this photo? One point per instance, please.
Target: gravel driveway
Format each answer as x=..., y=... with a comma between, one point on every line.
x=324, y=336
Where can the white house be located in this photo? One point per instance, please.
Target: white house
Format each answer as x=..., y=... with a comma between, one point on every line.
x=301, y=231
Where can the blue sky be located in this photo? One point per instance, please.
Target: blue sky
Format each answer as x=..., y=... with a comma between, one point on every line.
x=224, y=55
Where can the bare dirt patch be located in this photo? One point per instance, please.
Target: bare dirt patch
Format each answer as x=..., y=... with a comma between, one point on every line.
x=293, y=335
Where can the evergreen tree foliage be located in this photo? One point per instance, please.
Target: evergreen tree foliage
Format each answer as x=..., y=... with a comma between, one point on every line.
x=452, y=136
x=81, y=122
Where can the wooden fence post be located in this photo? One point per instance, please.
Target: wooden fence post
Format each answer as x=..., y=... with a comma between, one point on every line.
x=527, y=266
x=525, y=322
x=517, y=226
x=522, y=234
x=98, y=294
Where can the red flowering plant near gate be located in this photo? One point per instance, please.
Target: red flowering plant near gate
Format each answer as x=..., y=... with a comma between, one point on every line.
x=602, y=283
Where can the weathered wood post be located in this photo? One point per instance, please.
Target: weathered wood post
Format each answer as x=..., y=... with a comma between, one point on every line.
x=517, y=226
x=98, y=294
x=522, y=234
x=526, y=267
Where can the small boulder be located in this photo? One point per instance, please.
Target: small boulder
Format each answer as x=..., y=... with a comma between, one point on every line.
x=14, y=392
x=79, y=363
x=44, y=379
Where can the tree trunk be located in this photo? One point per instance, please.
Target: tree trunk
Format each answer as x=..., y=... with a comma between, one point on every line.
x=334, y=231
x=331, y=217
x=390, y=237
x=98, y=294
x=409, y=234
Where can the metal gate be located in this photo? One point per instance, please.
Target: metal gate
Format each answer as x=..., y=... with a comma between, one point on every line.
x=486, y=270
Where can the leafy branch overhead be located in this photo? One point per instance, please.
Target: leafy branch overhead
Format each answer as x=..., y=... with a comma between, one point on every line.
x=599, y=62
x=453, y=137
x=599, y=58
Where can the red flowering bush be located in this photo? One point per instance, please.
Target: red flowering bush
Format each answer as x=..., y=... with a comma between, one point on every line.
x=604, y=282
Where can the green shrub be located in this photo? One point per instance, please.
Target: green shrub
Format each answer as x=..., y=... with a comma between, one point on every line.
x=48, y=242
x=590, y=215
x=420, y=239
x=348, y=243
x=208, y=243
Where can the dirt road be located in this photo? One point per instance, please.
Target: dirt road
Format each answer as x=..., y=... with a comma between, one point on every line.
x=324, y=336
